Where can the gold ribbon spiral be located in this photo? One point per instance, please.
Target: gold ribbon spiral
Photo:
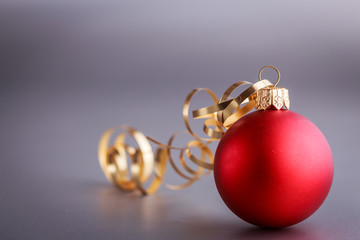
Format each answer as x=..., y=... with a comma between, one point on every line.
x=130, y=168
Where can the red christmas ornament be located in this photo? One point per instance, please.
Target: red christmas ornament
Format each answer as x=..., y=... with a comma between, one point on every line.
x=273, y=168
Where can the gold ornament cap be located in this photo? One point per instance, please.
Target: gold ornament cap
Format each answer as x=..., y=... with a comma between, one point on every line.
x=272, y=97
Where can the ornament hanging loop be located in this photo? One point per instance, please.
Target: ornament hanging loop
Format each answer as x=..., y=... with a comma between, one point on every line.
x=277, y=71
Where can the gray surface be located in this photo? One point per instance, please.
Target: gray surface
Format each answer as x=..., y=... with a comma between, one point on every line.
x=71, y=69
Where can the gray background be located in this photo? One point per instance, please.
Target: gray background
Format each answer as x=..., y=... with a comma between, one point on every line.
x=71, y=69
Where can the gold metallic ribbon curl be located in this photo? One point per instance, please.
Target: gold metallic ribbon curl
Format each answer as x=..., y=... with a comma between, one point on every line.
x=140, y=168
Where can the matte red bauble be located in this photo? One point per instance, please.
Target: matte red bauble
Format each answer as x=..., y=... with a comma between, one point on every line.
x=273, y=168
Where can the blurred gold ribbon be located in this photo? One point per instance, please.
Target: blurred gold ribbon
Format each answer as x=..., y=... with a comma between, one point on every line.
x=134, y=174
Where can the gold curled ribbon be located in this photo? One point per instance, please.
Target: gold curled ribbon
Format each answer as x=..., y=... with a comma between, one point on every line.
x=130, y=168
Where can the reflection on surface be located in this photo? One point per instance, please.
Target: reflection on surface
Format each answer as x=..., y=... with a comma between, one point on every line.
x=153, y=211
x=179, y=216
x=251, y=232
x=130, y=209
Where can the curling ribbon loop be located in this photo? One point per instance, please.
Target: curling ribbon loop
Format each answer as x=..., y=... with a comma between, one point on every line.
x=144, y=164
